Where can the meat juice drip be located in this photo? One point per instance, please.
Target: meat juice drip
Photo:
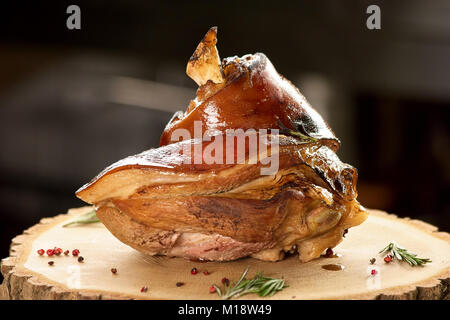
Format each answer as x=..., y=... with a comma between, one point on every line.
x=333, y=267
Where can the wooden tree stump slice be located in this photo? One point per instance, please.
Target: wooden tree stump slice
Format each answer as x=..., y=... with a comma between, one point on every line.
x=29, y=276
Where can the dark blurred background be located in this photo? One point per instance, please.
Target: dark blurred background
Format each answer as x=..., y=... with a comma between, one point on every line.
x=74, y=101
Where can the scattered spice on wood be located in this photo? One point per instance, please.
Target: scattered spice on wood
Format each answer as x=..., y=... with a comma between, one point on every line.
x=212, y=289
x=57, y=251
x=113, y=270
x=226, y=281
x=50, y=263
x=75, y=252
x=179, y=284
x=388, y=258
x=206, y=273
x=66, y=253
x=50, y=252
x=194, y=271
x=80, y=259
x=144, y=289
x=373, y=272
x=40, y=252
x=372, y=261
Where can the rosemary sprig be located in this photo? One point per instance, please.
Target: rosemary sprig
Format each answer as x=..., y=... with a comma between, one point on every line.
x=89, y=217
x=261, y=285
x=402, y=254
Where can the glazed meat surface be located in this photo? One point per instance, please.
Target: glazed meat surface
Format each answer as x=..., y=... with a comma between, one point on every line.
x=162, y=201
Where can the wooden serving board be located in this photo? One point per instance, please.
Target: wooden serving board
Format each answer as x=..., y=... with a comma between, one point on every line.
x=28, y=275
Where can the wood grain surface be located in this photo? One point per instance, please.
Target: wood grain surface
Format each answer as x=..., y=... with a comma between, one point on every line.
x=29, y=276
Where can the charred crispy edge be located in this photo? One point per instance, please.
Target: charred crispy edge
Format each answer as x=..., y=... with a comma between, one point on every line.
x=258, y=63
x=344, y=185
x=246, y=67
x=332, y=141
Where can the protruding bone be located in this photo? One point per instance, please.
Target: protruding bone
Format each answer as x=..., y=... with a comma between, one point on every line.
x=205, y=64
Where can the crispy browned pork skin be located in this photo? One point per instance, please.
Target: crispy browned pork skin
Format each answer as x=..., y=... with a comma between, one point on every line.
x=160, y=203
x=251, y=95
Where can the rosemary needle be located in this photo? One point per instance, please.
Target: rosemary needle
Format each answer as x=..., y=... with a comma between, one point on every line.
x=402, y=254
x=260, y=284
x=89, y=217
